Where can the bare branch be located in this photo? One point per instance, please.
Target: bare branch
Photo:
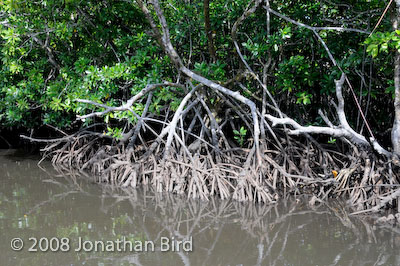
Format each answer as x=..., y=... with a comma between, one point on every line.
x=314, y=30
x=177, y=115
x=344, y=130
x=340, y=29
x=170, y=50
x=127, y=105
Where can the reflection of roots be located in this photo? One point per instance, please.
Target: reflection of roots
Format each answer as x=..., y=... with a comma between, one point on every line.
x=270, y=225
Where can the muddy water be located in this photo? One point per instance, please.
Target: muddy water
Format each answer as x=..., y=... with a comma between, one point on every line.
x=66, y=211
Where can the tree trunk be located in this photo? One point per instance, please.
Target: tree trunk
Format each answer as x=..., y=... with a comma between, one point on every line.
x=396, y=123
x=207, y=26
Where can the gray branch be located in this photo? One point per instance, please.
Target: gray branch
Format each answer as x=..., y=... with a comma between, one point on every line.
x=343, y=130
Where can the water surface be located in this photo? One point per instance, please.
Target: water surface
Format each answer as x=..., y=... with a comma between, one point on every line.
x=42, y=203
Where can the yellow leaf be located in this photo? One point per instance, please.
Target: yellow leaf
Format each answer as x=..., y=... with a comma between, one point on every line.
x=335, y=173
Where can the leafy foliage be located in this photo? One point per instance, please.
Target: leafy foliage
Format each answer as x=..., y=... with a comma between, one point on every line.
x=240, y=135
x=54, y=52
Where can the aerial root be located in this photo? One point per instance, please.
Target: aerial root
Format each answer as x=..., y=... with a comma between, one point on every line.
x=367, y=183
x=189, y=151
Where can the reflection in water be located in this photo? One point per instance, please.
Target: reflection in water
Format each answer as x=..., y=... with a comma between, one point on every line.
x=42, y=203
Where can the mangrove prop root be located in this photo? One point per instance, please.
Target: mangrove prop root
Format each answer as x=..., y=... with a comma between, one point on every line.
x=230, y=173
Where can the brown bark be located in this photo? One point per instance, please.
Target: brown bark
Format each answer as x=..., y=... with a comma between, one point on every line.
x=207, y=26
